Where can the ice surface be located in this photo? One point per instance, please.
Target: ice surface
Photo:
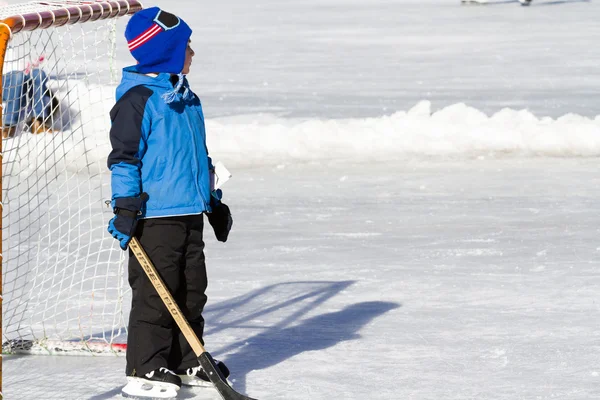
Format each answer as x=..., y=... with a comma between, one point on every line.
x=455, y=280
x=384, y=247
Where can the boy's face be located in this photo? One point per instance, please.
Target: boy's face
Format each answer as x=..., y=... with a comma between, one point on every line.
x=189, y=54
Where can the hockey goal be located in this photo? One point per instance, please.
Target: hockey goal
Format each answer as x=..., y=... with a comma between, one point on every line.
x=64, y=283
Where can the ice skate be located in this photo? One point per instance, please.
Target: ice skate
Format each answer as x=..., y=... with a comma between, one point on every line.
x=160, y=384
x=196, y=377
x=41, y=126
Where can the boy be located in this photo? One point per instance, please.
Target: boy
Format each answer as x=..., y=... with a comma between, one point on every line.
x=161, y=175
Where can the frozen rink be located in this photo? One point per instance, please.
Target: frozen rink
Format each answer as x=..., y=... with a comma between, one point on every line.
x=380, y=252
x=460, y=280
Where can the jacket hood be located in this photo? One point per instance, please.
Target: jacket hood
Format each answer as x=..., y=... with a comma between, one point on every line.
x=132, y=78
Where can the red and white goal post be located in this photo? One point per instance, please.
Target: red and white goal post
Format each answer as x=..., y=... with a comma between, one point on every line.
x=64, y=282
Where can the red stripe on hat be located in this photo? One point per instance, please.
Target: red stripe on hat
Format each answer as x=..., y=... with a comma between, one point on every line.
x=141, y=35
x=144, y=37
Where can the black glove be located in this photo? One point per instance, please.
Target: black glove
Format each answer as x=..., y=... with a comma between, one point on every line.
x=220, y=219
x=127, y=212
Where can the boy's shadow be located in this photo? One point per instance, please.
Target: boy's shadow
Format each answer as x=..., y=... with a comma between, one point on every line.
x=326, y=330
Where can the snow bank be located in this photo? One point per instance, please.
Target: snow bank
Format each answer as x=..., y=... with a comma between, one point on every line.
x=456, y=131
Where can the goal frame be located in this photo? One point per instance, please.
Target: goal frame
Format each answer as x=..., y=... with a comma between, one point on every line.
x=71, y=13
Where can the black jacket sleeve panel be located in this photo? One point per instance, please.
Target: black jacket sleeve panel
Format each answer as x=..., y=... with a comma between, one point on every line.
x=126, y=131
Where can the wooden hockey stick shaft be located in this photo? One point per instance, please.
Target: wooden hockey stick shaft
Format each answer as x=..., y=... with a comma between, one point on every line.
x=204, y=358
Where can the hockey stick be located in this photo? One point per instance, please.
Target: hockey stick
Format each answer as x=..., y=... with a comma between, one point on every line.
x=204, y=358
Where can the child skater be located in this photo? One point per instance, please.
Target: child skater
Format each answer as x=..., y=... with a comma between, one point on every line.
x=160, y=178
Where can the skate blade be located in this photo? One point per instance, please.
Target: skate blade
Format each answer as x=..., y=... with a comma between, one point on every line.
x=141, y=389
x=194, y=382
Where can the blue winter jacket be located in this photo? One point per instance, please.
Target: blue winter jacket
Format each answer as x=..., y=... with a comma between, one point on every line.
x=159, y=148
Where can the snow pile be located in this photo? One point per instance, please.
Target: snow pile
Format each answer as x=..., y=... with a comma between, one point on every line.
x=455, y=131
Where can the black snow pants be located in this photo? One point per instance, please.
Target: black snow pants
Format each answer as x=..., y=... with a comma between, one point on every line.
x=176, y=248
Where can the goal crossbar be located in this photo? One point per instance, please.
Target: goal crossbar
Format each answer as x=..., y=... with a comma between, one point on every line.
x=59, y=13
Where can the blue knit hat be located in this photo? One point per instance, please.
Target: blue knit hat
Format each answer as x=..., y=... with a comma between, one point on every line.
x=158, y=41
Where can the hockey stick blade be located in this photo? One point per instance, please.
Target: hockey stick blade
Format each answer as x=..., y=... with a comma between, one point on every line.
x=216, y=377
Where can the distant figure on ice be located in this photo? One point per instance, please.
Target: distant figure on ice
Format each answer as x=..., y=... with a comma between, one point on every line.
x=161, y=188
x=523, y=2
x=27, y=98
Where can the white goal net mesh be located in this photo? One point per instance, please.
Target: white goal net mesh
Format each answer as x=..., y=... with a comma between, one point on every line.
x=64, y=284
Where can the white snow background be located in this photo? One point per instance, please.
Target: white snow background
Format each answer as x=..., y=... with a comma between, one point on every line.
x=415, y=195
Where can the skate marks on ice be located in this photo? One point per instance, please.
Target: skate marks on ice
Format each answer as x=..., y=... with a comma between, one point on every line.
x=283, y=321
